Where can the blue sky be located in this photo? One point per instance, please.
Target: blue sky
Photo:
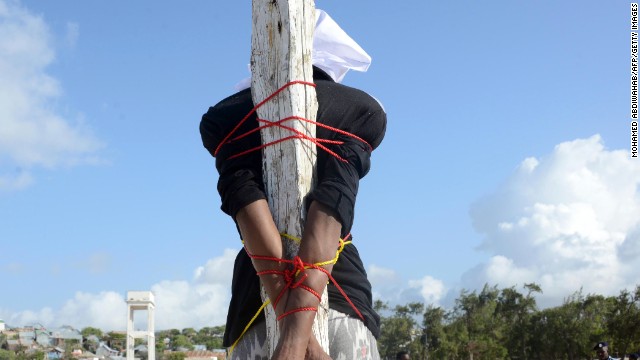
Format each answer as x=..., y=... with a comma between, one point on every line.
x=506, y=158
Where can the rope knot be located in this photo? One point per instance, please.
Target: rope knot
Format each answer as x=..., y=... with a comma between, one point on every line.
x=298, y=267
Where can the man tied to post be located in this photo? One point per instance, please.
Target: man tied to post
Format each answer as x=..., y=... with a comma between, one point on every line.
x=353, y=125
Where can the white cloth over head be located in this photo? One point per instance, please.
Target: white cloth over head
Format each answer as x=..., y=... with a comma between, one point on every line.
x=334, y=51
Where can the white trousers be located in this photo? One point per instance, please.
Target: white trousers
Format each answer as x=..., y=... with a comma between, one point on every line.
x=349, y=339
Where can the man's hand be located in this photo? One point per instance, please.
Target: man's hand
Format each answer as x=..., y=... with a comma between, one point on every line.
x=319, y=244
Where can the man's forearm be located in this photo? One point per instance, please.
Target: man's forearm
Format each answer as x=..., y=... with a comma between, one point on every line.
x=321, y=236
x=319, y=244
x=261, y=237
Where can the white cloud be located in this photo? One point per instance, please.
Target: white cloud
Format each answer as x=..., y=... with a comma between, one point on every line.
x=178, y=304
x=181, y=304
x=44, y=316
x=32, y=133
x=217, y=270
x=106, y=309
x=382, y=276
x=431, y=289
x=388, y=286
x=386, y=283
x=565, y=221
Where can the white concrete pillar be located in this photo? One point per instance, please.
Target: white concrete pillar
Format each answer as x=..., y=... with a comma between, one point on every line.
x=141, y=300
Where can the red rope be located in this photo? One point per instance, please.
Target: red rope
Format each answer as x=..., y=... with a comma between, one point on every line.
x=289, y=275
x=258, y=106
x=295, y=311
x=298, y=265
x=297, y=134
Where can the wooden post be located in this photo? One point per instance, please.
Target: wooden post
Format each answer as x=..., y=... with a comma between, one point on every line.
x=282, y=39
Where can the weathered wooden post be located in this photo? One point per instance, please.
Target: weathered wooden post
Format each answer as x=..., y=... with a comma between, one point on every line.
x=282, y=39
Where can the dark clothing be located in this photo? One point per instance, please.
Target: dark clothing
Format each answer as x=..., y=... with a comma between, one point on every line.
x=241, y=183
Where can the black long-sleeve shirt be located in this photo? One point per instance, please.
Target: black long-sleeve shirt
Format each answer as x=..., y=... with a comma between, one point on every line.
x=241, y=183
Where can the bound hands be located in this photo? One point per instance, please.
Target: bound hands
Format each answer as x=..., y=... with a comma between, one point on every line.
x=294, y=296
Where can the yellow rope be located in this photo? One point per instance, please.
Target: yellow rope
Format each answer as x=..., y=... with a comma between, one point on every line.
x=291, y=237
x=268, y=301
x=233, y=346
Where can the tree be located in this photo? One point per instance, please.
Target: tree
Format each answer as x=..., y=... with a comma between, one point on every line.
x=623, y=321
x=7, y=355
x=400, y=331
x=181, y=341
x=116, y=340
x=506, y=324
x=516, y=311
x=88, y=331
x=437, y=342
x=37, y=355
x=189, y=332
x=160, y=346
x=211, y=337
x=568, y=331
x=21, y=352
x=175, y=355
x=484, y=331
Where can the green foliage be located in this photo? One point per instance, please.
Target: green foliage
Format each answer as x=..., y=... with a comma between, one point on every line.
x=68, y=350
x=189, y=332
x=176, y=355
x=506, y=324
x=623, y=321
x=211, y=337
x=38, y=355
x=400, y=331
x=139, y=341
x=7, y=355
x=116, y=336
x=483, y=328
x=116, y=341
x=160, y=346
x=88, y=331
x=436, y=341
x=181, y=341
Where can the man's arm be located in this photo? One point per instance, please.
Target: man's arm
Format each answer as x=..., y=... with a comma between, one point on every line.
x=319, y=244
x=261, y=238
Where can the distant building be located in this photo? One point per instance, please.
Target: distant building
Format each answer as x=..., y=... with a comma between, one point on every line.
x=27, y=338
x=10, y=334
x=93, y=338
x=141, y=348
x=55, y=353
x=43, y=337
x=2, y=325
x=66, y=334
x=106, y=352
x=13, y=344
